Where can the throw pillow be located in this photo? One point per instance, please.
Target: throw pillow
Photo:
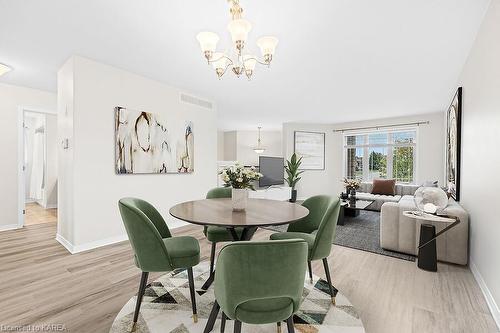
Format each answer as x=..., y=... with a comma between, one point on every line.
x=384, y=186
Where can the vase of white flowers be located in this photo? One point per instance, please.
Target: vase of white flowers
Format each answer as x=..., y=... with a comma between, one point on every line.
x=240, y=180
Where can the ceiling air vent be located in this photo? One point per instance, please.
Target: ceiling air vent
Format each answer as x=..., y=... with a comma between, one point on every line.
x=196, y=101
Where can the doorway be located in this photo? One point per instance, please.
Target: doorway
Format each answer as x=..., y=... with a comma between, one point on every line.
x=38, y=165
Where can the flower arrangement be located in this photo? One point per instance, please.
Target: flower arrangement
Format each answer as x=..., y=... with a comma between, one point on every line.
x=239, y=177
x=351, y=184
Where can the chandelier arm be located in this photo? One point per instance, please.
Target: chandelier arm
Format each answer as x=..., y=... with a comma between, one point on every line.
x=225, y=69
x=258, y=61
x=224, y=56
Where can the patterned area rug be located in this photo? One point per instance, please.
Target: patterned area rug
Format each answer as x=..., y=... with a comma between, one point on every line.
x=362, y=233
x=166, y=307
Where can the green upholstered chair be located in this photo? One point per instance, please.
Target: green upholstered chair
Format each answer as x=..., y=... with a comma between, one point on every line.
x=154, y=247
x=218, y=234
x=318, y=230
x=259, y=282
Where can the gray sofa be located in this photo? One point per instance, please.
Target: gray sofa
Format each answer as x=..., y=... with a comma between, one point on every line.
x=400, y=233
x=365, y=189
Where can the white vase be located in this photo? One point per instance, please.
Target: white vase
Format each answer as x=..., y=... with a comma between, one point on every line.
x=239, y=198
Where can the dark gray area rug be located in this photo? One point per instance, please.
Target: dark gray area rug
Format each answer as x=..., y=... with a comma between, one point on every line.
x=362, y=233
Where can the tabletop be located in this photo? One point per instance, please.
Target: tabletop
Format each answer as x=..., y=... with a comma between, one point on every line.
x=429, y=217
x=219, y=212
x=356, y=204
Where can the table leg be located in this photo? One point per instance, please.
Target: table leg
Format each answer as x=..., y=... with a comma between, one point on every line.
x=246, y=235
x=427, y=255
x=341, y=219
x=351, y=212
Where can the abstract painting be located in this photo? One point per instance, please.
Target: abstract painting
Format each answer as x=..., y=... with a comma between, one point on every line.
x=311, y=147
x=453, y=137
x=147, y=143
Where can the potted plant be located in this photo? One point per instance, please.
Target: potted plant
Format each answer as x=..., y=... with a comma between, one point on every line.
x=240, y=180
x=293, y=173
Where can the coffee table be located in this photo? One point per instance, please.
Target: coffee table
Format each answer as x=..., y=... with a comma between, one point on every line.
x=351, y=208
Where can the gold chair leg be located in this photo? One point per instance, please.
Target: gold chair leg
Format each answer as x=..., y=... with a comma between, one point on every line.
x=195, y=318
x=333, y=300
x=278, y=326
x=134, y=327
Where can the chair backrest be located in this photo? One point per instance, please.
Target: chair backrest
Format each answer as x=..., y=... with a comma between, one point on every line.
x=317, y=206
x=146, y=229
x=219, y=192
x=326, y=231
x=249, y=271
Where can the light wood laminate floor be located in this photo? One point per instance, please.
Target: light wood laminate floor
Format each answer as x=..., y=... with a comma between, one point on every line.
x=36, y=214
x=40, y=282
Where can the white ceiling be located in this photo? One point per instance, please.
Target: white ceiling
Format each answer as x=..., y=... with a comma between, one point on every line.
x=337, y=61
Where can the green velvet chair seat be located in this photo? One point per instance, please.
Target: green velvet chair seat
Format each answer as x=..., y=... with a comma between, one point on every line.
x=309, y=238
x=264, y=311
x=184, y=251
x=220, y=234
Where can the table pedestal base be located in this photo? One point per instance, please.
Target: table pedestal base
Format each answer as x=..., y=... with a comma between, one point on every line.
x=427, y=256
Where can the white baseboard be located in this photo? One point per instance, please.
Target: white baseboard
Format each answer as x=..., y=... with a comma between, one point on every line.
x=51, y=206
x=9, y=227
x=492, y=305
x=102, y=242
x=90, y=245
x=64, y=242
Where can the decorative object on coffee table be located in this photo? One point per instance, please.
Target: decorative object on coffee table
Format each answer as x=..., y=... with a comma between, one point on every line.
x=240, y=180
x=453, y=139
x=351, y=185
x=427, y=255
x=352, y=207
x=292, y=171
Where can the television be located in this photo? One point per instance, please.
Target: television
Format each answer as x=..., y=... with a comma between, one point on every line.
x=272, y=170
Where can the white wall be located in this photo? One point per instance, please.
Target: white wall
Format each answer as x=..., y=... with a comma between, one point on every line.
x=230, y=146
x=96, y=189
x=220, y=145
x=480, y=80
x=430, y=159
x=246, y=141
x=11, y=97
x=313, y=182
x=239, y=145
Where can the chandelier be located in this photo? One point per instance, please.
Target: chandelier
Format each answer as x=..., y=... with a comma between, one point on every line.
x=259, y=149
x=238, y=62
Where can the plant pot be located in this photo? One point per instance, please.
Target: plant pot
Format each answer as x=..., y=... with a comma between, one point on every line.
x=239, y=198
x=294, y=196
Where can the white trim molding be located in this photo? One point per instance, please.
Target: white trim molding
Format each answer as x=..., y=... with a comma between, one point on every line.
x=64, y=242
x=102, y=242
x=492, y=305
x=90, y=245
x=9, y=227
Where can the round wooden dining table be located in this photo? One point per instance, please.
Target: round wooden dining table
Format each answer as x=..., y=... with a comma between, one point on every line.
x=219, y=212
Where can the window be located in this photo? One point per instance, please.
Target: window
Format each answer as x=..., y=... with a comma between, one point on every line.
x=381, y=154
